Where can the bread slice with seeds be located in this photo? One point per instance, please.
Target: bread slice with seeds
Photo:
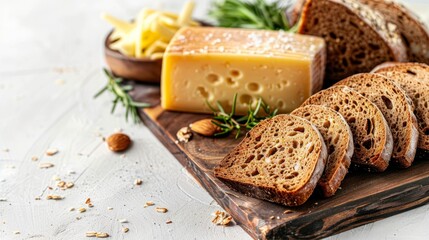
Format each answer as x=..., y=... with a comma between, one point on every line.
x=279, y=160
x=413, y=31
x=338, y=139
x=357, y=37
x=371, y=135
x=397, y=109
x=419, y=94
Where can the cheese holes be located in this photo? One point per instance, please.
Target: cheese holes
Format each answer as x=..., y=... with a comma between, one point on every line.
x=203, y=92
x=253, y=87
x=245, y=99
x=230, y=81
x=213, y=78
x=235, y=73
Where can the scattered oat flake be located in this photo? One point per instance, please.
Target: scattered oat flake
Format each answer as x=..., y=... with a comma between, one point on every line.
x=109, y=208
x=46, y=165
x=69, y=185
x=221, y=218
x=125, y=230
x=16, y=232
x=51, y=151
x=88, y=201
x=138, y=181
x=82, y=210
x=72, y=209
x=34, y=158
x=91, y=234
x=54, y=197
x=168, y=222
x=123, y=220
x=102, y=235
x=61, y=184
x=288, y=211
x=149, y=203
x=161, y=210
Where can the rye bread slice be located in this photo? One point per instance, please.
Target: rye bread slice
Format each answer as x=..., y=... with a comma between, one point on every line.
x=339, y=142
x=357, y=37
x=419, y=94
x=397, y=109
x=371, y=135
x=419, y=70
x=413, y=31
x=279, y=160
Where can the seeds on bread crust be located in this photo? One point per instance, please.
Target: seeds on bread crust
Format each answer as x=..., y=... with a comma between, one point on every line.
x=371, y=135
x=394, y=103
x=339, y=142
x=280, y=160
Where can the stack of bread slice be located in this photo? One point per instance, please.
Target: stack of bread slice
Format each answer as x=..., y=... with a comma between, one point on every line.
x=370, y=120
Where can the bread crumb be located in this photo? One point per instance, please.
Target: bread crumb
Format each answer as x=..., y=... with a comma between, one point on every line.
x=138, y=181
x=161, y=210
x=46, y=165
x=148, y=203
x=125, y=230
x=34, y=158
x=168, y=222
x=109, y=208
x=123, y=220
x=54, y=197
x=16, y=232
x=221, y=218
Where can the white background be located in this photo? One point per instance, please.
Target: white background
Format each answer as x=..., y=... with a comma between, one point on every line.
x=50, y=67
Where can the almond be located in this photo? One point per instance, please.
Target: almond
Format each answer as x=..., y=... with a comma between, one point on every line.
x=205, y=127
x=118, y=142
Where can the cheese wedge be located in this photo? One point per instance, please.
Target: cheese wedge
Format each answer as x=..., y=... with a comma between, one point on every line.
x=212, y=64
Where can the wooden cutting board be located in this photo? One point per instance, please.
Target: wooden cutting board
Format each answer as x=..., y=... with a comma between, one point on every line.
x=364, y=197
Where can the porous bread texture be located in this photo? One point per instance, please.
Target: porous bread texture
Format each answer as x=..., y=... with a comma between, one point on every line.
x=419, y=94
x=339, y=142
x=393, y=102
x=413, y=31
x=371, y=135
x=419, y=70
x=358, y=38
x=279, y=160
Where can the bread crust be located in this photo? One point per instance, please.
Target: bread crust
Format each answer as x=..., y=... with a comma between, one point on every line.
x=339, y=163
x=269, y=193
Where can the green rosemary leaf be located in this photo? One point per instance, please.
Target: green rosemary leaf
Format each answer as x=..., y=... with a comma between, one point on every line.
x=121, y=95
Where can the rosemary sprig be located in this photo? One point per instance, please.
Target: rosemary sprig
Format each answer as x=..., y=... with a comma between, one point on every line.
x=115, y=86
x=254, y=14
x=228, y=122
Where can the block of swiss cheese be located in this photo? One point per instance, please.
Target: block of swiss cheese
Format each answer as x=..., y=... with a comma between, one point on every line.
x=212, y=64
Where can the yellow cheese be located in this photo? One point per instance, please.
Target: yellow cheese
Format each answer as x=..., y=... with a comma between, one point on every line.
x=213, y=64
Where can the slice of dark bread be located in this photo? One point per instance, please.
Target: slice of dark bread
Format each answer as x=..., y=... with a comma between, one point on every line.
x=413, y=31
x=279, y=160
x=338, y=139
x=393, y=102
x=357, y=38
x=371, y=135
x=419, y=70
x=419, y=94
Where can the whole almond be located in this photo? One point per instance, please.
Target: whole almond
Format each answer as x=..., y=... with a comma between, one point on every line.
x=118, y=142
x=205, y=127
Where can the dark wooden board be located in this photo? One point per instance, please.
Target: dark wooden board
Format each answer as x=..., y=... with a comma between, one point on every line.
x=364, y=197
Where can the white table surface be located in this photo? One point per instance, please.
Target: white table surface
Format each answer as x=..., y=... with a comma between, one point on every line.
x=50, y=67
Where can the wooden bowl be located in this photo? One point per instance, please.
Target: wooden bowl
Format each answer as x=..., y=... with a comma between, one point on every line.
x=139, y=69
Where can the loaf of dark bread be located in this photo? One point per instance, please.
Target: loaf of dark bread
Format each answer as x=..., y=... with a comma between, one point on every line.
x=413, y=31
x=371, y=134
x=397, y=109
x=357, y=38
x=338, y=139
x=279, y=160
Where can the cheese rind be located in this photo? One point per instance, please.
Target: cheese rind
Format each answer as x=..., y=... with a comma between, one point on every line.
x=213, y=64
